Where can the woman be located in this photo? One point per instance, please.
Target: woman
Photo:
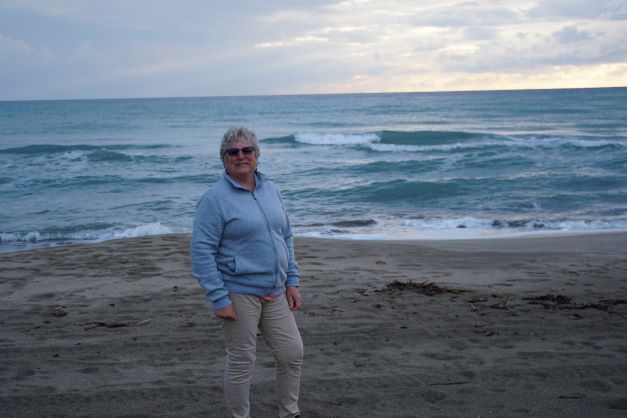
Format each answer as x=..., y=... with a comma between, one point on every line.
x=243, y=256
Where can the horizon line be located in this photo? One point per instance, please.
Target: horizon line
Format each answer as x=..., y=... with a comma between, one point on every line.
x=311, y=94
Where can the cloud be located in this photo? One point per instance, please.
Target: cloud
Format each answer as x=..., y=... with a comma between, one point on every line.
x=570, y=34
x=47, y=8
x=466, y=14
x=480, y=33
x=299, y=40
x=579, y=9
x=12, y=47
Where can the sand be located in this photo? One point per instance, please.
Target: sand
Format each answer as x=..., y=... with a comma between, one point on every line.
x=522, y=327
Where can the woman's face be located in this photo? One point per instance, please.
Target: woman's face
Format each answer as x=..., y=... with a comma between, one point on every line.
x=240, y=165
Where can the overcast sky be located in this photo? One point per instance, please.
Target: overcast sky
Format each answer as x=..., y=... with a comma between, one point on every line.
x=56, y=49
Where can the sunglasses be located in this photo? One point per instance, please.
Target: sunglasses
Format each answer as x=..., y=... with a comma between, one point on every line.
x=232, y=152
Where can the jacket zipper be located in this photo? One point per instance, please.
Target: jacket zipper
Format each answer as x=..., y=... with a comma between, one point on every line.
x=274, y=250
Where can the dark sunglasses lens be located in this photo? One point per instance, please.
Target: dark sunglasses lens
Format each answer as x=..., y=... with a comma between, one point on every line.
x=234, y=151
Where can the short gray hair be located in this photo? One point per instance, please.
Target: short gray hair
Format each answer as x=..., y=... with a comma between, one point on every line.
x=238, y=132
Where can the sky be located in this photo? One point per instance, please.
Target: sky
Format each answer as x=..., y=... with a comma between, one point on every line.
x=73, y=49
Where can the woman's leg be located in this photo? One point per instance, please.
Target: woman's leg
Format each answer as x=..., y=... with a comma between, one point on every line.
x=282, y=336
x=241, y=346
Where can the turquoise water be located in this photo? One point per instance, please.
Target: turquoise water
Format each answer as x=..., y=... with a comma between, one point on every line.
x=414, y=165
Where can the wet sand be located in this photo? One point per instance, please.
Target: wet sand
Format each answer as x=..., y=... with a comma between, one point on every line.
x=513, y=327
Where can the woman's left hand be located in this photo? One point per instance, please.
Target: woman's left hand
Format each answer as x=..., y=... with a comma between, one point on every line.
x=293, y=298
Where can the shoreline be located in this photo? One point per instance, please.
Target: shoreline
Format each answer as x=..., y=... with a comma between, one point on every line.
x=439, y=242
x=391, y=328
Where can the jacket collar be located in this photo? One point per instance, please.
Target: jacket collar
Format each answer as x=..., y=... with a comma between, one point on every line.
x=259, y=179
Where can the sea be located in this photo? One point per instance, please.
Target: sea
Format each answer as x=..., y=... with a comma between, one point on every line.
x=451, y=165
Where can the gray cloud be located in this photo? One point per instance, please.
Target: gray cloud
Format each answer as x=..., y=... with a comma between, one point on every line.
x=480, y=33
x=466, y=15
x=10, y=47
x=570, y=34
x=567, y=46
x=580, y=9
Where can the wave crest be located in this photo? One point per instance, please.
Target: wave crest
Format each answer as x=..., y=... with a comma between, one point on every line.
x=443, y=141
x=89, y=233
x=336, y=139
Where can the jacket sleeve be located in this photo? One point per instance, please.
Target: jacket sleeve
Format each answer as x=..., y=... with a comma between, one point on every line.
x=206, y=236
x=293, y=275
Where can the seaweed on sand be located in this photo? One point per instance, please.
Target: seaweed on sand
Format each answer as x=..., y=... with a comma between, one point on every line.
x=424, y=288
x=555, y=301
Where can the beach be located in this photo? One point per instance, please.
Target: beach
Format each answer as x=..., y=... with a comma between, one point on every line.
x=468, y=328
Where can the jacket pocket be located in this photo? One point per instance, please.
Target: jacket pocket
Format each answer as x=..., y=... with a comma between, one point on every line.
x=226, y=264
x=258, y=264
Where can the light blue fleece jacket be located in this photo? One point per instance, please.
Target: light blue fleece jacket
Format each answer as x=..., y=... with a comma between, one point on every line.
x=242, y=241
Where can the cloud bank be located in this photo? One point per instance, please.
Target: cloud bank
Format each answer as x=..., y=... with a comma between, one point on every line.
x=72, y=49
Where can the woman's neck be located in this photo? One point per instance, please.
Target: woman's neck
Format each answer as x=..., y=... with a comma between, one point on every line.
x=247, y=182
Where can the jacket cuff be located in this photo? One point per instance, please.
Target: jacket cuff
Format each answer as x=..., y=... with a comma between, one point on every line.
x=221, y=303
x=292, y=282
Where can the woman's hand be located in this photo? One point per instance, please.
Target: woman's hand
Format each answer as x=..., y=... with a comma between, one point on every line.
x=293, y=298
x=227, y=313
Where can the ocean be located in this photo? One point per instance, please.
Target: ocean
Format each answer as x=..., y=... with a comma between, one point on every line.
x=368, y=166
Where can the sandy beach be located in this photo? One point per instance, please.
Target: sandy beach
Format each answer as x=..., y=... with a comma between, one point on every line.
x=533, y=327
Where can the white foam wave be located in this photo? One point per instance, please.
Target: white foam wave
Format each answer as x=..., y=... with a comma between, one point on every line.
x=462, y=228
x=559, y=141
x=155, y=228
x=587, y=225
x=394, y=148
x=373, y=142
x=379, y=147
x=447, y=224
x=477, y=224
x=506, y=142
x=32, y=236
x=336, y=139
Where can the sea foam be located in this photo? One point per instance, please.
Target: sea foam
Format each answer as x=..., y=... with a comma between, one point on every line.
x=335, y=139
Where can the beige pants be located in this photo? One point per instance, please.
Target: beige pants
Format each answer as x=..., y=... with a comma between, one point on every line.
x=278, y=327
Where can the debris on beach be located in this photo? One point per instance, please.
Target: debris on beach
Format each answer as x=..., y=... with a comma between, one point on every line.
x=604, y=304
x=424, y=288
x=480, y=302
x=555, y=301
x=58, y=311
x=549, y=300
x=114, y=324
